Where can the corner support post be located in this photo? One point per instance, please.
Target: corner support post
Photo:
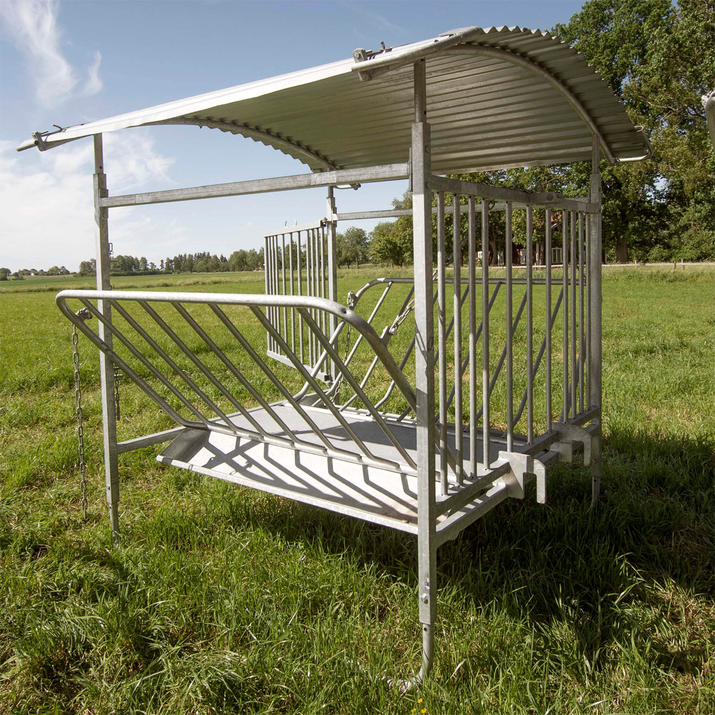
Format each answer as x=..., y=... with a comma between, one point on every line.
x=595, y=358
x=109, y=418
x=421, y=170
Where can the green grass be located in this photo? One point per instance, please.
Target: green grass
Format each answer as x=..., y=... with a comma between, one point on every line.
x=222, y=600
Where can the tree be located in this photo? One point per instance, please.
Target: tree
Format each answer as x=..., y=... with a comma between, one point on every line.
x=659, y=58
x=88, y=268
x=352, y=246
x=384, y=248
x=4, y=273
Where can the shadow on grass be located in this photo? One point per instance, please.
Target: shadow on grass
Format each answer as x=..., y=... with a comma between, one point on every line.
x=600, y=572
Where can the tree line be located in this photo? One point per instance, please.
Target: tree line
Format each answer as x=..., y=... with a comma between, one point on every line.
x=202, y=262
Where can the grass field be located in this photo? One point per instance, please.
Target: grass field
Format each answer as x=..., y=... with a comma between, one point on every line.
x=222, y=600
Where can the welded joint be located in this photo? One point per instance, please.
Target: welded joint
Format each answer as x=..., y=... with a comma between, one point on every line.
x=572, y=435
x=521, y=467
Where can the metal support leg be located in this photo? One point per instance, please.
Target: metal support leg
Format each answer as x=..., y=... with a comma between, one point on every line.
x=424, y=363
x=109, y=419
x=594, y=321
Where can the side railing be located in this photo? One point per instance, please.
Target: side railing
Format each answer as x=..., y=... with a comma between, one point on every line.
x=512, y=342
x=198, y=357
x=297, y=264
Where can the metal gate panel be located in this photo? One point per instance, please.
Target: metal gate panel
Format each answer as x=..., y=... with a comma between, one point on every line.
x=297, y=264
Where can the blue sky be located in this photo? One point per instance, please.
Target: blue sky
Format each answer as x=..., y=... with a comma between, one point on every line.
x=77, y=60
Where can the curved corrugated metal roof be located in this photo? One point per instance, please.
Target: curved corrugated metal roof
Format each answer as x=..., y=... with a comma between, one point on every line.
x=497, y=98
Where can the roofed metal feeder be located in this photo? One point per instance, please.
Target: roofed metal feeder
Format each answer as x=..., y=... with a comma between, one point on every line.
x=425, y=401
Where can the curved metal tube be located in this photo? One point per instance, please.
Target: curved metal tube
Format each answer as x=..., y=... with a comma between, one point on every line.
x=259, y=135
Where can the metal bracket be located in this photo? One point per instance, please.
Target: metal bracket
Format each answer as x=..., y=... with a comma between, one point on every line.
x=361, y=55
x=569, y=436
x=520, y=465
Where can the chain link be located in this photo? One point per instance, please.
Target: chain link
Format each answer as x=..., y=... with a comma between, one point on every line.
x=82, y=314
x=352, y=300
x=117, y=377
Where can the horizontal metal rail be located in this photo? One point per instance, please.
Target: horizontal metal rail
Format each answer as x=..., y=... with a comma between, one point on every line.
x=387, y=172
x=499, y=193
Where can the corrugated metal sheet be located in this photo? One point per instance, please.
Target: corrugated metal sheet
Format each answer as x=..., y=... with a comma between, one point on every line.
x=486, y=112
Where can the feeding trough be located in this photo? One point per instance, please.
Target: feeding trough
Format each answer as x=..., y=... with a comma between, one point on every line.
x=418, y=403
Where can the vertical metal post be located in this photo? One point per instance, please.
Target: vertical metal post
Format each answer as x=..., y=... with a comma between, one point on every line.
x=330, y=213
x=509, y=344
x=109, y=417
x=581, y=331
x=486, y=431
x=529, y=326
x=457, y=330
x=565, y=309
x=595, y=296
x=421, y=170
x=266, y=281
x=473, y=408
x=442, y=341
x=574, y=308
x=547, y=248
x=299, y=252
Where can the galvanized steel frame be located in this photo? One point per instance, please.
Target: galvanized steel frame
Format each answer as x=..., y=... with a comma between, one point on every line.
x=467, y=492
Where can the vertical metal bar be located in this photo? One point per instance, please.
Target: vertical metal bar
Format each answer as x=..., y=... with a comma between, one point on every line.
x=472, y=262
x=529, y=325
x=332, y=263
x=309, y=269
x=109, y=417
x=581, y=333
x=283, y=276
x=442, y=340
x=547, y=248
x=323, y=276
x=274, y=280
x=509, y=333
x=565, y=309
x=587, y=277
x=574, y=365
x=457, y=318
x=299, y=258
x=486, y=432
x=594, y=280
x=421, y=170
x=266, y=282
x=292, y=281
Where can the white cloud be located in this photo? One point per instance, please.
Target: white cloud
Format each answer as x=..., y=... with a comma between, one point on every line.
x=32, y=27
x=46, y=202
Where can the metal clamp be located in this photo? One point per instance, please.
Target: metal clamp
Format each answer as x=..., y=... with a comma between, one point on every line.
x=520, y=466
x=570, y=435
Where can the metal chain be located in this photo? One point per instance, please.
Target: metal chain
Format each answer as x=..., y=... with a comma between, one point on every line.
x=352, y=300
x=402, y=317
x=117, y=377
x=82, y=314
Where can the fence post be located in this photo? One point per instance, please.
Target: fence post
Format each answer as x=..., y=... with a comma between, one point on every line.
x=109, y=417
x=424, y=365
x=595, y=330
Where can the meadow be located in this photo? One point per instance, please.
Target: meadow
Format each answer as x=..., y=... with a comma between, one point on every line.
x=219, y=599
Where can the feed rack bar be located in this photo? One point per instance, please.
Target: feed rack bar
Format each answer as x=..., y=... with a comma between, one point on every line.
x=388, y=172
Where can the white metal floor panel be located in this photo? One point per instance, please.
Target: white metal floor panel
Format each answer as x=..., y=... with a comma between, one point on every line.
x=374, y=494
